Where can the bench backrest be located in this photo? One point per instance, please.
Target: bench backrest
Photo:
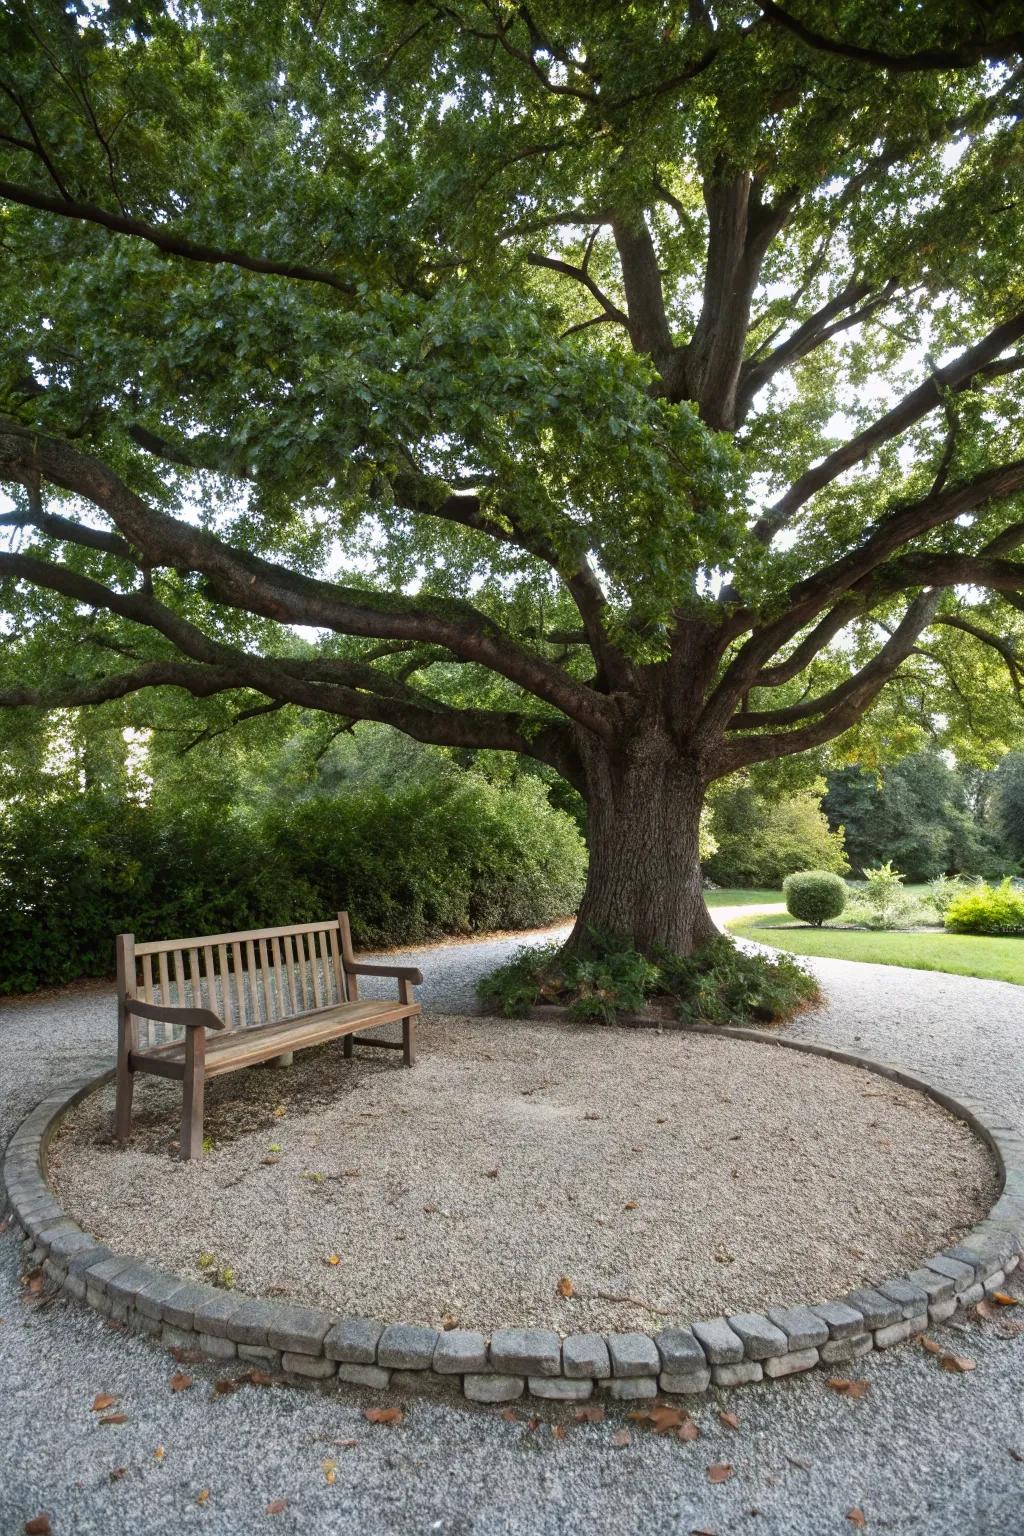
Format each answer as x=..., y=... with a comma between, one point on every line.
x=247, y=979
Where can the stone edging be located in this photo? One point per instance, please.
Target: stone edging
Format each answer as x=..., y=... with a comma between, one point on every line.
x=303, y=1343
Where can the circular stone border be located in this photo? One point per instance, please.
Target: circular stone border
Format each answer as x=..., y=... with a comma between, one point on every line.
x=302, y=1343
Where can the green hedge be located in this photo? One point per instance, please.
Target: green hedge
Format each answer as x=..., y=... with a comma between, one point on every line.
x=984, y=909
x=454, y=855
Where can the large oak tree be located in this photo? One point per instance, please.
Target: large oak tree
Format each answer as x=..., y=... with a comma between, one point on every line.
x=633, y=387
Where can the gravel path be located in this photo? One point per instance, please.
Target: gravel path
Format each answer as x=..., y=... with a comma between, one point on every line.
x=924, y=1452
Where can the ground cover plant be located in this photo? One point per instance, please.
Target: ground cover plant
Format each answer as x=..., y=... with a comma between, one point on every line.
x=719, y=984
x=638, y=396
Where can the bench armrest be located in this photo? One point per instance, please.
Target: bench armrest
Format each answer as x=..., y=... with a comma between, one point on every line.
x=167, y=1013
x=398, y=972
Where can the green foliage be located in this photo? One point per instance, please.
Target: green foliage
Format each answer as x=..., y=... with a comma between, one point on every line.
x=720, y=984
x=814, y=895
x=453, y=855
x=945, y=889
x=927, y=816
x=985, y=909
x=761, y=839
x=1008, y=804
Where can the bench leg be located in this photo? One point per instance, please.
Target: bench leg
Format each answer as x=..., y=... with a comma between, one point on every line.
x=123, y=1110
x=347, y=1045
x=192, y=1096
x=409, y=1042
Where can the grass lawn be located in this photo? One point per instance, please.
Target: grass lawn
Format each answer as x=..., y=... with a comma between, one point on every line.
x=961, y=953
x=737, y=898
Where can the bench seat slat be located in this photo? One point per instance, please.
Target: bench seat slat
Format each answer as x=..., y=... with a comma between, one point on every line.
x=228, y=1051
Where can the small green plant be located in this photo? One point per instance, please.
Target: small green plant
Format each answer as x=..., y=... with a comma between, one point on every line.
x=944, y=890
x=208, y=1144
x=998, y=911
x=224, y=1279
x=206, y=1260
x=814, y=895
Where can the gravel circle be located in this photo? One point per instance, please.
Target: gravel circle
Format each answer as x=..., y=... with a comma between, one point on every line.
x=669, y=1176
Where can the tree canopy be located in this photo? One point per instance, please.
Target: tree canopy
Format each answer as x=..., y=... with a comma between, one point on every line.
x=617, y=386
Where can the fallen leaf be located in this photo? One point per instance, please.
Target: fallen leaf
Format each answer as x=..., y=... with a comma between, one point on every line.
x=118, y=1473
x=986, y=1310
x=559, y=1431
x=226, y=1385
x=729, y=1420
x=448, y=1322
x=590, y=1415
x=39, y=1525
x=956, y=1363
x=159, y=1453
x=277, y=1506
x=103, y=1400
x=688, y=1431
x=662, y=1417
x=383, y=1415
x=258, y=1378
x=1004, y=1299
x=114, y=1418
x=1015, y=1454
x=565, y=1287
x=631, y=1205
x=180, y=1382
x=492, y=1173
x=719, y=1472
x=203, y=1496
x=591, y=1115
x=856, y=1517
x=280, y=1112
x=346, y=1445
x=333, y=1258
x=185, y=1356
x=533, y=1424
x=35, y=1282
x=931, y=1345
x=330, y=1470
x=510, y=1415
x=800, y=1461
x=848, y=1388
x=622, y=1437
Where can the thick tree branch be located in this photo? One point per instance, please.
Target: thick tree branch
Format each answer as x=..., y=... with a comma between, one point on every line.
x=955, y=375
x=977, y=50
x=166, y=241
x=997, y=643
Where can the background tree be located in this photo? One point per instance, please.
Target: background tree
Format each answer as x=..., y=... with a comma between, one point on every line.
x=634, y=390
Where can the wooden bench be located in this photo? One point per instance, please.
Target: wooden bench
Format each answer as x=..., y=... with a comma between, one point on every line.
x=266, y=993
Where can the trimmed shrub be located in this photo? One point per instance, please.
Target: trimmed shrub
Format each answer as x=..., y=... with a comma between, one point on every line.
x=720, y=984
x=453, y=855
x=997, y=911
x=814, y=895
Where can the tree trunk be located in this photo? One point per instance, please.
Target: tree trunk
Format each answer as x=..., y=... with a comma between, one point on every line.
x=644, y=879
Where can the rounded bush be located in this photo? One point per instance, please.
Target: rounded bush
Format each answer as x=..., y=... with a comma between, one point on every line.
x=998, y=911
x=814, y=895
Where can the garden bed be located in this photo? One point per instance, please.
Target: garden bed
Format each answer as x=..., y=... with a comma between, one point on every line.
x=664, y=1176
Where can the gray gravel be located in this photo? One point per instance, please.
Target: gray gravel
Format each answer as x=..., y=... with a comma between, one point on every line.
x=925, y=1452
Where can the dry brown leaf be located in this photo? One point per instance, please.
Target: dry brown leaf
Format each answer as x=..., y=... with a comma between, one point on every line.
x=277, y=1506
x=688, y=1431
x=257, y=1378
x=591, y=1115
x=631, y=1205
x=330, y=1470
x=159, y=1453
x=270, y=1160
x=383, y=1415
x=662, y=1417
x=226, y=1385
x=280, y=1112
x=847, y=1388
x=492, y=1173
x=956, y=1363
x=559, y=1431
x=333, y=1258
x=39, y=1525
x=346, y=1445
x=203, y=1496
x=114, y=1418
x=729, y=1420
x=800, y=1461
x=510, y=1415
x=719, y=1472
x=180, y=1382
x=1004, y=1299
x=103, y=1400
x=856, y=1517
x=986, y=1310
x=1015, y=1454
x=118, y=1473
x=590, y=1415
x=185, y=1356
x=448, y=1322
x=931, y=1345
x=533, y=1423
x=565, y=1287
x=622, y=1437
